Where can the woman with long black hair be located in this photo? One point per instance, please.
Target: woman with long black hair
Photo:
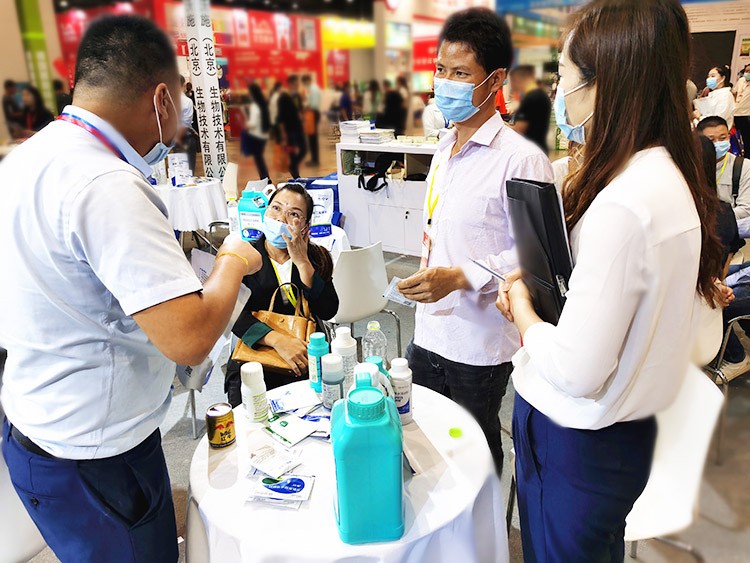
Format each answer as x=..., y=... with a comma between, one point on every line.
x=641, y=219
x=257, y=127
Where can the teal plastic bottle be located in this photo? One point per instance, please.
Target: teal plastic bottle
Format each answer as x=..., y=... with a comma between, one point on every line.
x=367, y=443
x=316, y=349
x=252, y=208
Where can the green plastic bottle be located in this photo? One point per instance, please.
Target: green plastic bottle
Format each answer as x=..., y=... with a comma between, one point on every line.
x=367, y=447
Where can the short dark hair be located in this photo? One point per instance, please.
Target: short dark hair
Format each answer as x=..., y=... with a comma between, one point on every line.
x=9, y=84
x=57, y=84
x=712, y=121
x=485, y=33
x=526, y=71
x=125, y=54
x=306, y=78
x=292, y=78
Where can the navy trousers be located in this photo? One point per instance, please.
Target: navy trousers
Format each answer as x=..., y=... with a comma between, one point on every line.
x=575, y=487
x=117, y=509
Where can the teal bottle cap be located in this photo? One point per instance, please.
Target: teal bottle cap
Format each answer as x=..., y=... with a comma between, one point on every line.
x=318, y=338
x=365, y=403
x=377, y=360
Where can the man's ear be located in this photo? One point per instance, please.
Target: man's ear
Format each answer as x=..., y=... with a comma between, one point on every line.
x=162, y=100
x=497, y=79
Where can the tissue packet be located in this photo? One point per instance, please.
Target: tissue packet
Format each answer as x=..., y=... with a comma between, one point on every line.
x=393, y=294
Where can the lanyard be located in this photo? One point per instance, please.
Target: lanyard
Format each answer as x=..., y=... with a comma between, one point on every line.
x=432, y=203
x=726, y=159
x=86, y=126
x=285, y=288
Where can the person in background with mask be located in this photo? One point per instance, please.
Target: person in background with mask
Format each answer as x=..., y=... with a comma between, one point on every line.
x=462, y=347
x=288, y=256
x=716, y=98
x=742, y=107
x=99, y=302
x=717, y=131
x=641, y=220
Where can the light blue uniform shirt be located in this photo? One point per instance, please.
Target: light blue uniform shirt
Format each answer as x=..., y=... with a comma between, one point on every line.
x=88, y=245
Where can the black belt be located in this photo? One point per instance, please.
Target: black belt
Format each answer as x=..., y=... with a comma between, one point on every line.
x=27, y=444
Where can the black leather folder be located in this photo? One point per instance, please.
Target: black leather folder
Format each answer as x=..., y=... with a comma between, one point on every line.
x=542, y=245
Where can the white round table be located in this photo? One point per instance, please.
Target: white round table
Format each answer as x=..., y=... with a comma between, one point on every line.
x=194, y=207
x=454, y=509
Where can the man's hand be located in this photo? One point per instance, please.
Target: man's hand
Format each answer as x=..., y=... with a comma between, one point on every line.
x=432, y=284
x=235, y=245
x=503, y=301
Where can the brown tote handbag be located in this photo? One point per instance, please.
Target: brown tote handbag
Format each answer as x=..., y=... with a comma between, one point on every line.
x=300, y=324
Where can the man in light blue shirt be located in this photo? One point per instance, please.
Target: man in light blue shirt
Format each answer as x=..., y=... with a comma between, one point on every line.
x=98, y=303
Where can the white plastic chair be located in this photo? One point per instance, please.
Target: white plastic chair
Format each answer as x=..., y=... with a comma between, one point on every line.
x=360, y=279
x=669, y=502
x=19, y=537
x=229, y=182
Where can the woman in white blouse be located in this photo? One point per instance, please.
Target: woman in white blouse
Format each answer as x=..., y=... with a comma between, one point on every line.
x=644, y=253
x=718, y=98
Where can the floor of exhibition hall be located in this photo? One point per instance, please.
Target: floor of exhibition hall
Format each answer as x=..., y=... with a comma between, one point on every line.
x=721, y=531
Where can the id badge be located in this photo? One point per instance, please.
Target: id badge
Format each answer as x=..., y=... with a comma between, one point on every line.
x=426, y=247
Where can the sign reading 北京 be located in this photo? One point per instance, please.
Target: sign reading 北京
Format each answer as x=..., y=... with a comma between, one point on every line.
x=204, y=74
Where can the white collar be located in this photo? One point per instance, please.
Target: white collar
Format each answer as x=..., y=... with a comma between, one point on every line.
x=130, y=154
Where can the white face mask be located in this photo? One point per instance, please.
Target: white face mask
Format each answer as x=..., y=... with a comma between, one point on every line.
x=160, y=150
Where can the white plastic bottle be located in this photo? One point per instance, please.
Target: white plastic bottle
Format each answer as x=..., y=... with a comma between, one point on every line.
x=333, y=379
x=374, y=342
x=233, y=215
x=401, y=382
x=346, y=347
x=253, y=390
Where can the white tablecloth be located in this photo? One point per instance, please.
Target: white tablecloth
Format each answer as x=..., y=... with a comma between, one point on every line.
x=454, y=509
x=194, y=207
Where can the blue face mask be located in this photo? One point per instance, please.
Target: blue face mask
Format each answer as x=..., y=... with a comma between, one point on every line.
x=712, y=82
x=160, y=150
x=747, y=77
x=574, y=133
x=722, y=148
x=453, y=98
x=273, y=230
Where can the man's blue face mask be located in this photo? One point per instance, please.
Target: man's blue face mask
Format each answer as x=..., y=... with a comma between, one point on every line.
x=454, y=98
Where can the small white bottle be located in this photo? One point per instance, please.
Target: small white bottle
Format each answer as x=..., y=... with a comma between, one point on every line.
x=401, y=382
x=333, y=379
x=233, y=215
x=254, y=392
x=346, y=347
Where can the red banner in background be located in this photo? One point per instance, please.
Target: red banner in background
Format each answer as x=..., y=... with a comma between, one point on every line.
x=262, y=46
x=424, y=53
x=337, y=66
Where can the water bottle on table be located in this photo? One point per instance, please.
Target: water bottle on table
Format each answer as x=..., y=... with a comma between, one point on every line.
x=233, y=215
x=374, y=342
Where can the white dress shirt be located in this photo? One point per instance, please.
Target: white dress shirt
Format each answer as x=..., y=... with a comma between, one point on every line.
x=187, y=111
x=432, y=119
x=630, y=321
x=471, y=222
x=88, y=245
x=741, y=207
x=254, y=121
x=742, y=90
x=719, y=102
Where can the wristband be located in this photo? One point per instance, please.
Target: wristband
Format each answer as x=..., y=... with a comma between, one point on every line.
x=228, y=253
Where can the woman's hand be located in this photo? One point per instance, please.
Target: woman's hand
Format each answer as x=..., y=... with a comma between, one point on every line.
x=503, y=301
x=292, y=350
x=726, y=294
x=296, y=244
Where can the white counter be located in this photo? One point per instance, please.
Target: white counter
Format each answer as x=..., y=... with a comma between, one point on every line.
x=393, y=216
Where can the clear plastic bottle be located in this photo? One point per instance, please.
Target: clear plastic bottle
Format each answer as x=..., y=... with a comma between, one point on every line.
x=346, y=347
x=332, y=378
x=374, y=342
x=253, y=391
x=233, y=216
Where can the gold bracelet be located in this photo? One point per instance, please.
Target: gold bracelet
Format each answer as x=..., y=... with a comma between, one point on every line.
x=228, y=253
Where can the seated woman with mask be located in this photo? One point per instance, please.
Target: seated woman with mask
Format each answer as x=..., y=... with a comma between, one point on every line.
x=288, y=256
